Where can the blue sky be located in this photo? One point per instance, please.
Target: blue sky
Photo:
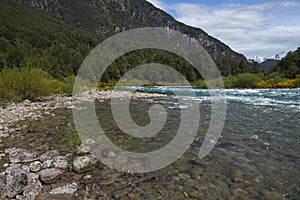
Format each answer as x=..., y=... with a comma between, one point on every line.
x=255, y=28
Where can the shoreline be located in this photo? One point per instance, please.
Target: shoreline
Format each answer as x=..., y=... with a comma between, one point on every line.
x=13, y=113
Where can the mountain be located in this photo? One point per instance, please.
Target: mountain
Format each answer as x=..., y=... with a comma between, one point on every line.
x=34, y=38
x=269, y=63
x=107, y=17
x=275, y=57
x=289, y=66
x=58, y=34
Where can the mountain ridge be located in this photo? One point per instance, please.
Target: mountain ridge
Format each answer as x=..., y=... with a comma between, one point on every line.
x=108, y=17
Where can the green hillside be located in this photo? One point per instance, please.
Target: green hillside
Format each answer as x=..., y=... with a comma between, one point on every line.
x=31, y=37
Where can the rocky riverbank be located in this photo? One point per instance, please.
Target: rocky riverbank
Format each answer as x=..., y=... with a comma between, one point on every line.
x=32, y=166
x=26, y=110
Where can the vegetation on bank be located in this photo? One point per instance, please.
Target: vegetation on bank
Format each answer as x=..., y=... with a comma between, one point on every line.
x=17, y=84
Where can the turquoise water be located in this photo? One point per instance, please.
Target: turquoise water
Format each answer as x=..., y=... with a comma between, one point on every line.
x=256, y=157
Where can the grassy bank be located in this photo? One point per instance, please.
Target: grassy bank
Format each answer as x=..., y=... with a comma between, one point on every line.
x=247, y=80
x=17, y=84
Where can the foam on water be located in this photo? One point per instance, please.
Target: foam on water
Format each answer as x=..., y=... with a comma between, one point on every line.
x=287, y=99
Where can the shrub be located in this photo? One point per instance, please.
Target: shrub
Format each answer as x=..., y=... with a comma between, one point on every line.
x=17, y=84
x=23, y=83
x=247, y=80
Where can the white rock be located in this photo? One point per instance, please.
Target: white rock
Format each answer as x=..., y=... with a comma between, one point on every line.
x=60, y=162
x=33, y=187
x=35, y=166
x=82, y=149
x=47, y=164
x=66, y=189
x=83, y=162
x=5, y=165
x=255, y=137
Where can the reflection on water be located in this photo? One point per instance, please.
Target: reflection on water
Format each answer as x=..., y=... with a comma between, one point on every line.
x=258, y=155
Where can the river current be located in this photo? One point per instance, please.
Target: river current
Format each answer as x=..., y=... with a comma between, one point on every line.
x=256, y=157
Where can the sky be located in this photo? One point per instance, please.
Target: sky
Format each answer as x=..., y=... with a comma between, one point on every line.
x=261, y=28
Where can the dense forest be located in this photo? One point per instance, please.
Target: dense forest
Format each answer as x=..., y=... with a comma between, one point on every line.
x=35, y=38
x=51, y=41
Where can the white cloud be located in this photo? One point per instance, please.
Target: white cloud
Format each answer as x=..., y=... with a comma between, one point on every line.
x=254, y=30
x=159, y=4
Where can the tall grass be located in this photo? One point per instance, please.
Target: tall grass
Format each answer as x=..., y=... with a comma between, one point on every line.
x=17, y=84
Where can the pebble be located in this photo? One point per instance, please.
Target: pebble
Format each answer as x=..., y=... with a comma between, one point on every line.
x=87, y=177
x=35, y=166
x=185, y=195
x=5, y=165
x=240, y=180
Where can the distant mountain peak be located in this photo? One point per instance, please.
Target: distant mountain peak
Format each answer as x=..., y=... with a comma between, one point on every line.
x=260, y=59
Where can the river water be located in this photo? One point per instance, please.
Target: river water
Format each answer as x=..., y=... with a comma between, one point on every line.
x=256, y=157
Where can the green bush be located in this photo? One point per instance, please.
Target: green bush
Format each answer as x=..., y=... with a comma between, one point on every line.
x=298, y=80
x=17, y=84
x=22, y=83
x=246, y=80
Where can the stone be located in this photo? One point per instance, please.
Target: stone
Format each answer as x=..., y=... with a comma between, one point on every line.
x=83, y=149
x=5, y=165
x=26, y=102
x=1, y=154
x=240, y=180
x=66, y=189
x=86, y=177
x=81, y=163
x=47, y=164
x=16, y=181
x=35, y=166
x=20, y=155
x=32, y=189
x=50, y=175
x=60, y=162
x=3, y=182
x=49, y=155
x=108, y=153
x=47, y=113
